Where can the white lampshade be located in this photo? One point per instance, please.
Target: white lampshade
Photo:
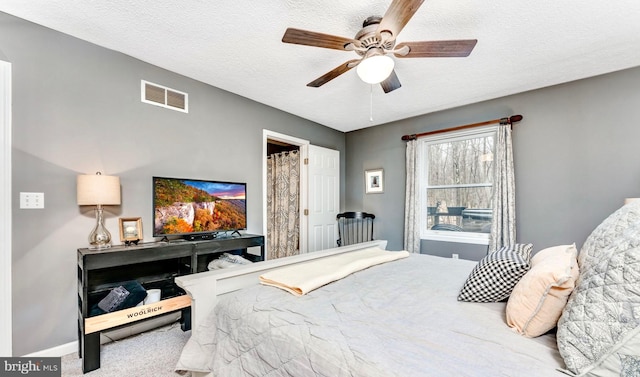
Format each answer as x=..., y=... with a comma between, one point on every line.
x=98, y=189
x=375, y=69
x=629, y=200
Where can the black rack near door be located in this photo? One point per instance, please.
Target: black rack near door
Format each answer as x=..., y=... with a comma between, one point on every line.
x=153, y=265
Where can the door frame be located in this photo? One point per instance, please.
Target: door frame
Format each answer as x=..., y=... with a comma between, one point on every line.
x=304, y=154
x=5, y=210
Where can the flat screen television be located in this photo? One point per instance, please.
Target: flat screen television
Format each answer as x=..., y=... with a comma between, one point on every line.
x=195, y=208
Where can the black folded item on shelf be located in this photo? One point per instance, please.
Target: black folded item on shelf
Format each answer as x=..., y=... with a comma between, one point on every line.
x=113, y=299
x=127, y=295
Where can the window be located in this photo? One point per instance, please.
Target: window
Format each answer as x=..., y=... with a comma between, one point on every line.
x=456, y=181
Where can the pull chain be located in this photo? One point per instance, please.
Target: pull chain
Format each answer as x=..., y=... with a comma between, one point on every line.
x=371, y=104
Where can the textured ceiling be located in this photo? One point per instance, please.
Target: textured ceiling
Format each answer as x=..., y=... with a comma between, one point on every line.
x=236, y=45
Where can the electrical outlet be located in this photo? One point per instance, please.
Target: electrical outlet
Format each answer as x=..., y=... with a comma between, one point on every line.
x=454, y=256
x=31, y=200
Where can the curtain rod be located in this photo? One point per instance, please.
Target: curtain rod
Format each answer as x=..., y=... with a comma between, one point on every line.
x=293, y=151
x=510, y=120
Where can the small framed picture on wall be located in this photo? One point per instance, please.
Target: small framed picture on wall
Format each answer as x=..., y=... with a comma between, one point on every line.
x=374, y=181
x=130, y=230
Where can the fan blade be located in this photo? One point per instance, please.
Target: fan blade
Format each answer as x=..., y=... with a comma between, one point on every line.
x=337, y=71
x=310, y=38
x=397, y=16
x=436, y=49
x=391, y=83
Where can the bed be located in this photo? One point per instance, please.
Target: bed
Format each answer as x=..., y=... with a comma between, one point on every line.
x=404, y=318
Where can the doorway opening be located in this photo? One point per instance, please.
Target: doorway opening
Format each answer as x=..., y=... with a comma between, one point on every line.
x=283, y=199
x=284, y=194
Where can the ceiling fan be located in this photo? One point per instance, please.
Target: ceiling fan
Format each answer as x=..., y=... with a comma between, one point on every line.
x=375, y=41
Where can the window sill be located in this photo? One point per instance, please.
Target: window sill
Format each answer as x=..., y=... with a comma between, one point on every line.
x=459, y=237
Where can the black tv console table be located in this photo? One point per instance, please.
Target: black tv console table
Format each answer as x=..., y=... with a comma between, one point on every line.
x=154, y=265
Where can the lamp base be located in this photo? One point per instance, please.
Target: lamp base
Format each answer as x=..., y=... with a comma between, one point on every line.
x=99, y=247
x=100, y=238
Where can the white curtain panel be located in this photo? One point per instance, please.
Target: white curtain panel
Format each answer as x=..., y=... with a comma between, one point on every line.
x=503, y=227
x=283, y=198
x=411, y=216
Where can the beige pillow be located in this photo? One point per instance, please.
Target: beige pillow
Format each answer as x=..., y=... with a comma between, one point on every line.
x=536, y=302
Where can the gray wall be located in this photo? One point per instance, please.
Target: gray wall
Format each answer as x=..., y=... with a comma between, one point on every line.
x=576, y=158
x=77, y=110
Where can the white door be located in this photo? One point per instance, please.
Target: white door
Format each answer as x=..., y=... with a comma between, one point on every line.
x=324, y=197
x=5, y=209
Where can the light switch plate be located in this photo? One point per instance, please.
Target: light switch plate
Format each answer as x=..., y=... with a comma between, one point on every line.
x=31, y=200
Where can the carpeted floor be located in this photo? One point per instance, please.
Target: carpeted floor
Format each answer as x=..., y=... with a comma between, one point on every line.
x=150, y=354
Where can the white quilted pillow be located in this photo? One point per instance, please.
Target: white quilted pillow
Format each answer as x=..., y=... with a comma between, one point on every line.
x=599, y=330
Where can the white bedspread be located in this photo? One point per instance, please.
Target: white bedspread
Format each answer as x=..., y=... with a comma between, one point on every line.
x=396, y=319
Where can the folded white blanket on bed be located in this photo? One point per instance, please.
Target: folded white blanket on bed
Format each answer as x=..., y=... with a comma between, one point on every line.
x=303, y=278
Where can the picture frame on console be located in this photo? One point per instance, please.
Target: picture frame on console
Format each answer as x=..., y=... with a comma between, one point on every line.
x=130, y=230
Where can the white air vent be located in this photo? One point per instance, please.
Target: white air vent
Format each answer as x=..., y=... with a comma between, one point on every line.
x=159, y=95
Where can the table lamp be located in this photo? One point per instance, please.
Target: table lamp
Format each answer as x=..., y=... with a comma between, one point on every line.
x=98, y=190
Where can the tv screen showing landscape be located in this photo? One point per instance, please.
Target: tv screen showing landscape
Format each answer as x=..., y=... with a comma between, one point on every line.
x=192, y=206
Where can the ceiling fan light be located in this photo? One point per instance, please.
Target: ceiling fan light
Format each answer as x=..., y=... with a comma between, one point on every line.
x=375, y=69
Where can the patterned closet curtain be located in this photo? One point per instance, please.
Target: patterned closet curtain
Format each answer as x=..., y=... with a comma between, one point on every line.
x=503, y=226
x=283, y=198
x=411, y=220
